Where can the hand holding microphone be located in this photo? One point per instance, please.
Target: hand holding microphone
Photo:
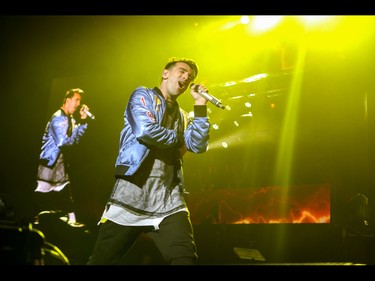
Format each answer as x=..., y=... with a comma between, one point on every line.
x=85, y=109
x=207, y=96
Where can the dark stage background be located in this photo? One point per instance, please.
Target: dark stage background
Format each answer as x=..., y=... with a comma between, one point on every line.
x=108, y=56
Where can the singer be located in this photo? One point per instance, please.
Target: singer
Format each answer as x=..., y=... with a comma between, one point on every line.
x=148, y=195
x=53, y=190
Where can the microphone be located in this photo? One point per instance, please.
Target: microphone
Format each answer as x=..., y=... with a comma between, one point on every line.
x=89, y=114
x=208, y=96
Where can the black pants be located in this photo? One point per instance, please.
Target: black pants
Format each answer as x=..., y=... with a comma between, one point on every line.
x=53, y=200
x=174, y=239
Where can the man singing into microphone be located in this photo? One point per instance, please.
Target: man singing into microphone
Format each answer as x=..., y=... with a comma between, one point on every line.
x=61, y=133
x=148, y=194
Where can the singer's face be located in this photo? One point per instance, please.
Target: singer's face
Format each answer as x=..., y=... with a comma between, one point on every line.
x=178, y=78
x=73, y=103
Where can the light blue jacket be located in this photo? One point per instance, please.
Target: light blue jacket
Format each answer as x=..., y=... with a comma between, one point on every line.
x=142, y=130
x=56, y=137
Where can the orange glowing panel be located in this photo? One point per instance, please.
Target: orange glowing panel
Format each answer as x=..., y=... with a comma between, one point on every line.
x=271, y=204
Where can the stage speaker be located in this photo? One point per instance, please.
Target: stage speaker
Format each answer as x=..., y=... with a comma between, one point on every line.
x=248, y=254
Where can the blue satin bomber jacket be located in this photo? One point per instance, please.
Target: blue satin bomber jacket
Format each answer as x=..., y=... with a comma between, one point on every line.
x=142, y=129
x=56, y=137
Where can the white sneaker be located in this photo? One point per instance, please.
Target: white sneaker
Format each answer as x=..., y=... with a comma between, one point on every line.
x=75, y=224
